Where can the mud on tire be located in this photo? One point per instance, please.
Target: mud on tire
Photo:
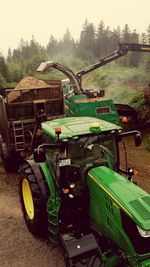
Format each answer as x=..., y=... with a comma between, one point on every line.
x=32, y=202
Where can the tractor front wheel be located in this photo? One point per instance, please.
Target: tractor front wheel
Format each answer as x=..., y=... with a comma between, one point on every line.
x=32, y=202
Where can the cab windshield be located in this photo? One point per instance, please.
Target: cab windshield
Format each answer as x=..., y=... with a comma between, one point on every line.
x=93, y=149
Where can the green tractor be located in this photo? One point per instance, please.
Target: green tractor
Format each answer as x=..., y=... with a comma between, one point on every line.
x=75, y=192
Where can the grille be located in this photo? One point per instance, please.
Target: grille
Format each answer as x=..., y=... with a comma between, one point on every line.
x=109, y=204
x=146, y=200
x=140, y=209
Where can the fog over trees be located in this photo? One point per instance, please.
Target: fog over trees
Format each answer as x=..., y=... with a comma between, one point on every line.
x=93, y=44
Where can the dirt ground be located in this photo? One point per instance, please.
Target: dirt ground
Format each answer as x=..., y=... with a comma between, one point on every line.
x=18, y=248
x=138, y=158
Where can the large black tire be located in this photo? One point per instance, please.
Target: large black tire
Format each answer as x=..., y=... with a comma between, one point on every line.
x=13, y=162
x=34, y=205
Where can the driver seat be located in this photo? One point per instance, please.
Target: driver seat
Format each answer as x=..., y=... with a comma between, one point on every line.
x=98, y=155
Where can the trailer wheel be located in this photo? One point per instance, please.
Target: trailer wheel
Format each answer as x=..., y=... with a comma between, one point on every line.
x=32, y=202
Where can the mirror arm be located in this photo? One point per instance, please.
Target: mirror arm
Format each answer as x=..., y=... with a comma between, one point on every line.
x=47, y=146
x=129, y=133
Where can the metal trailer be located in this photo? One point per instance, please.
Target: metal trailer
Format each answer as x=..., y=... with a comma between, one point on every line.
x=21, y=114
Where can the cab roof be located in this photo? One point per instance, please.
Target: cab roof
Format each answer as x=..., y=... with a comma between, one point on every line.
x=77, y=126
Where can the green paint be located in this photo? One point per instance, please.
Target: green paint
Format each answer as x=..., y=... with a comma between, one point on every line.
x=123, y=193
x=109, y=194
x=53, y=205
x=48, y=177
x=99, y=107
x=76, y=126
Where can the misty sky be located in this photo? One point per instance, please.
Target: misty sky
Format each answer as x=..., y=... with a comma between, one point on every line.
x=24, y=18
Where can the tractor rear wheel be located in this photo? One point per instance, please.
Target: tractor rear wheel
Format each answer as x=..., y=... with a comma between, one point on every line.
x=34, y=205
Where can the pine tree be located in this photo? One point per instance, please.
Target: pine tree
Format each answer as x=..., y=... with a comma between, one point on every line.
x=99, y=40
x=134, y=57
x=126, y=34
x=3, y=67
x=86, y=45
x=52, y=46
x=68, y=43
x=9, y=55
x=148, y=34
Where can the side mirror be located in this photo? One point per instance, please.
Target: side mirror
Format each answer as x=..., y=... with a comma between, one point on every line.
x=135, y=133
x=138, y=139
x=39, y=155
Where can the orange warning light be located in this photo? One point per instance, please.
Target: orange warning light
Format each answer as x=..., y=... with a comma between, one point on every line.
x=65, y=190
x=58, y=130
x=124, y=120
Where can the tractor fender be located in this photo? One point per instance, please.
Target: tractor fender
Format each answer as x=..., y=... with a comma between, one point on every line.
x=39, y=177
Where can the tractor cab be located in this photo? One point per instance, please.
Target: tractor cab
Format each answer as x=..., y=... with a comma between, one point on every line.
x=81, y=143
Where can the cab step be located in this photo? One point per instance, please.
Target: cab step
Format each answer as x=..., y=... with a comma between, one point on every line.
x=79, y=252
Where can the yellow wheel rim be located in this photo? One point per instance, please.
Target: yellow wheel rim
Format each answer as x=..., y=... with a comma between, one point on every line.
x=28, y=199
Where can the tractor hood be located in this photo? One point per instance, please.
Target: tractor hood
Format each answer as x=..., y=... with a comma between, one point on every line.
x=124, y=194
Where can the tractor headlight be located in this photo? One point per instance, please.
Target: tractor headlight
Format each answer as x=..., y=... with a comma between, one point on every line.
x=143, y=233
x=71, y=196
